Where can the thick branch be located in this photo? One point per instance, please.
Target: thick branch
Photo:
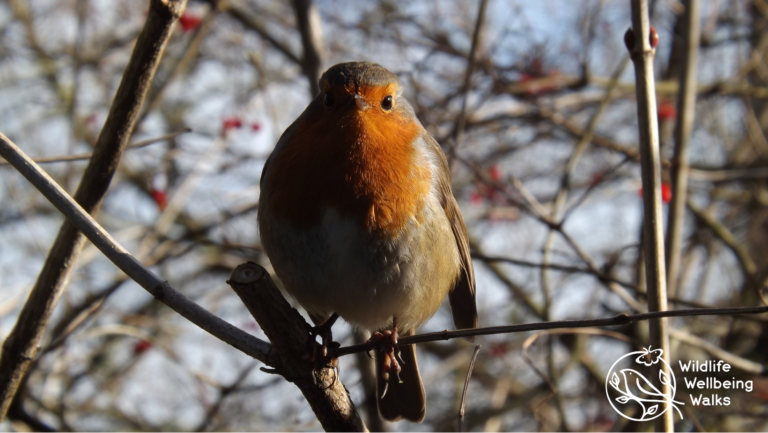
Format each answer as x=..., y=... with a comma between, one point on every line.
x=287, y=331
x=20, y=348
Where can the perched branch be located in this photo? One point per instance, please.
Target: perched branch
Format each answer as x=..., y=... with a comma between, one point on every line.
x=621, y=319
x=20, y=348
x=287, y=331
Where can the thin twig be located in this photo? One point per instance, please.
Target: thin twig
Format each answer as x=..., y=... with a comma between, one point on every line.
x=554, y=267
x=621, y=319
x=458, y=127
x=736, y=361
x=466, y=385
x=725, y=235
x=83, y=156
x=245, y=18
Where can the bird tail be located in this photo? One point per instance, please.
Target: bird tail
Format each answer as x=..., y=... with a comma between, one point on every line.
x=402, y=400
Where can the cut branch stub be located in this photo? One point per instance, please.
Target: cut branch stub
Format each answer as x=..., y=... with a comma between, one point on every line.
x=287, y=331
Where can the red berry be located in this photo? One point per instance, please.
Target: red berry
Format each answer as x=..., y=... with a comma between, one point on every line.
x=141, y=346
x=189, y=22
x=255, y=127
x=160, y=198
x=666, y=192
x=231, y=123
x=596, y=178
x=498, y=350
x=667, y=111
x=495, y=173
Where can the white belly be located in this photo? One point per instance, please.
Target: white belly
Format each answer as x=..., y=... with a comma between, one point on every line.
x=340, y=268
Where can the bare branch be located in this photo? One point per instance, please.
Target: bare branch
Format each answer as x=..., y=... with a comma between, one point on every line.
x=641, y=40
x=686, y=103
x=84, y=156
x=621, y=319
x=161, y=290
x=308, y=22
x=20, y=348
x=466, y=385
x=458, y=127
x=287, y=331
x=237, y=12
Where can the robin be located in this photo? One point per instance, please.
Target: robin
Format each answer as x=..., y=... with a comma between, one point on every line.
x=358, y=219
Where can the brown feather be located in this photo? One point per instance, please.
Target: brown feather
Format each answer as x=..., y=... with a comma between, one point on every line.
x=462, y=296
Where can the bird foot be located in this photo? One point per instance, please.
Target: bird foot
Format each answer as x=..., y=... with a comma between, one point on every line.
x=318, y=353
x=386, y=341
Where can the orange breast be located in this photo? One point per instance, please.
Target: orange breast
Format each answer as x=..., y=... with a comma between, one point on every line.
x=362, y=164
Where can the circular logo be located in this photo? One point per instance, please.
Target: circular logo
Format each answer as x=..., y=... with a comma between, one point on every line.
x=635, y=395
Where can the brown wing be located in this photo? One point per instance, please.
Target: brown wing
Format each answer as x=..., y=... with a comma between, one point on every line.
x=462, y=297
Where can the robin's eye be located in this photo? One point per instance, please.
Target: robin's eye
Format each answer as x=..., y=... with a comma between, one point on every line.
x=386, y=103
x=328, y=99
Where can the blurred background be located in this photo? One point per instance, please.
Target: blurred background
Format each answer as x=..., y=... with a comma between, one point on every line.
x=541, y=125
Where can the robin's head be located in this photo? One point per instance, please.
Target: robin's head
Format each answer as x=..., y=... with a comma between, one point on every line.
x=366, y=87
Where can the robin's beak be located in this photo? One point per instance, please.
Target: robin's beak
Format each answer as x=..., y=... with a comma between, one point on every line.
x=360, y=102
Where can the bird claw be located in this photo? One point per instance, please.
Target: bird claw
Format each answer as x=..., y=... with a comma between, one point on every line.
x=399, y=356
x=319, y=352
x=386, y=341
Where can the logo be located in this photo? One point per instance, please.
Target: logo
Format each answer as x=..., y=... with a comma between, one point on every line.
x=633, y=394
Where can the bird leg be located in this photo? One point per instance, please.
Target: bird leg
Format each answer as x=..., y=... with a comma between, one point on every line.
x=319, y=353
x=386, y=341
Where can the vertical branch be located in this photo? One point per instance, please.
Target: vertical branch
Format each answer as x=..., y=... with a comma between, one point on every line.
x=20, y=348
x=308, y=22
x=686, y=104
x=641, y=40
x=461, y=120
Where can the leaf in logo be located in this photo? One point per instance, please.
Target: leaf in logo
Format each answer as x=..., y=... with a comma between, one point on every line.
x=623, y=399
x=664, y=378
x=615, y=380
x=653, y=409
